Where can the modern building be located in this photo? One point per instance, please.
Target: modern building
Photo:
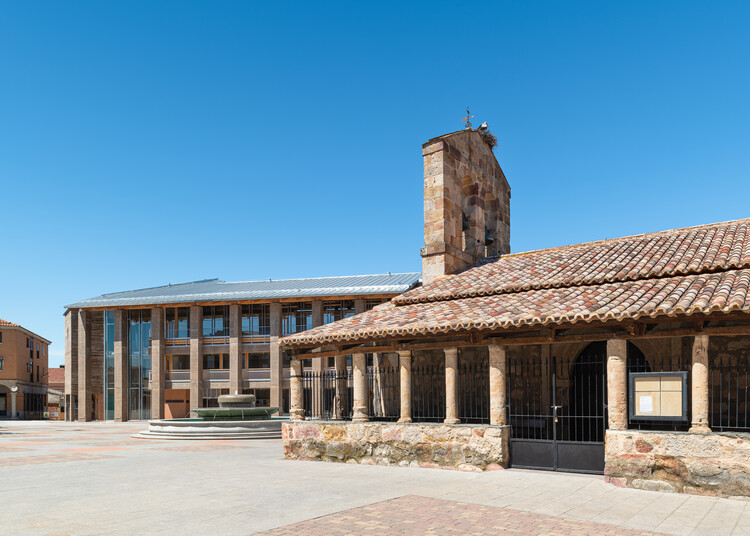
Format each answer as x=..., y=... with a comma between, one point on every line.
x=23, y=372
x=160, y=352
x=628, y=357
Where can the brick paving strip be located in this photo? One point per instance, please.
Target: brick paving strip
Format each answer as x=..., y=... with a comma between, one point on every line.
x=414, y=515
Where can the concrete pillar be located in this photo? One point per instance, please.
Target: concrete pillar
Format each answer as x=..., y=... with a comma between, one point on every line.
x=84, y=366
x=121, y=366
x=296, y=394
x=699, y=385
x=451, y=386
x=341, y=401
x=360, y=411
x=235, y=353
x=617, y=384
x=13, y=405
x=157, y=363
x=277, y=357
x=196, y=357
x=497, y=386
x=404, y=363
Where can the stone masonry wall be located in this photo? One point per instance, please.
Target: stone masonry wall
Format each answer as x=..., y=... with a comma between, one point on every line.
x=462, y=447
x=704, y=464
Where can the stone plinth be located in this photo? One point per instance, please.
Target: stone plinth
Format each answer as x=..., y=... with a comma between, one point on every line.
x=704, y=464
x=463, y=447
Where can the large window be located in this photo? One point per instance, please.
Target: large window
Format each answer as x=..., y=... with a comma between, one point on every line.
x=215, y=323
x=139, y=363
x=109, y=365
x=259, y=360
x=296, y=317
x=177, y=324
x=256, y=323
x=178, y=362
x=336, y=310
x=215, y=361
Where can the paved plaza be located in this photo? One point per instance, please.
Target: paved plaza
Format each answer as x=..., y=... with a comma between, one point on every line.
x=94, y=478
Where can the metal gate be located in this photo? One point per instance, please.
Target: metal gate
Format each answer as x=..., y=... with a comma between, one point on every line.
x=557, y=411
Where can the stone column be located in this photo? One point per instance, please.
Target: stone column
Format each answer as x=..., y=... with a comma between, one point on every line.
x=318, y=365
x=277, y=357
x=84, y=366
x=404, y=364
x=121, y=366
x=71, y=359
x=617, y=384
x=361, y=395
x=235, y=353
x=340, y=403
x=196, y=357
x=157, y=363
x=13, y=405
x=451, y=386
x=359, y=306
x=699, y=385
x=296, y=394
x=497, y=386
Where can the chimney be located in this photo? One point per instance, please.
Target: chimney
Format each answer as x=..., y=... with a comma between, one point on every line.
x=466, y=204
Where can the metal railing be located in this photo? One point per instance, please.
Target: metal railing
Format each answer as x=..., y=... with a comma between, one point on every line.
x=730, y=393
x=384, y=394
x=428, y=393
x=327, y=394
x=177, y=375
x=474, y=392
x=216, y=375
x=256, y=375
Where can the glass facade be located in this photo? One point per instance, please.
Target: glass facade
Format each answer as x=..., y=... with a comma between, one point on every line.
x=256, y=322
x=257, y=360
x=296, y=317
x=215, y=322
x=177, y=323
x=139, y=364
x=337, y=310
x=109, y=365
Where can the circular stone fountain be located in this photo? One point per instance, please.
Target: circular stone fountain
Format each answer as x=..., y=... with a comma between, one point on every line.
x=235, y=418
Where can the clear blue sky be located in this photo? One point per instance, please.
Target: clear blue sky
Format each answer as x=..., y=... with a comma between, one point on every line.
x=143, y=143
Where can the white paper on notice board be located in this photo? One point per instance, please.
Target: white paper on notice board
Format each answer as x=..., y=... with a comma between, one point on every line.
x=647, y=404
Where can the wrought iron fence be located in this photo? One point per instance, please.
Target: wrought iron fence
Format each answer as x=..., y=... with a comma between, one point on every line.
x=730, y=393
x=474, y=392
x=428, y=393
x=327, y=394
x=638, y=362
x=384, y=394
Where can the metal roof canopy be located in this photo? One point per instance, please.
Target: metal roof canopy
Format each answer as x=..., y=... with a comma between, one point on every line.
x=208, y=290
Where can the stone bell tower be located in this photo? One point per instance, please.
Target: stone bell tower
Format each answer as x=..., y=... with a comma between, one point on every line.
x=466, y=204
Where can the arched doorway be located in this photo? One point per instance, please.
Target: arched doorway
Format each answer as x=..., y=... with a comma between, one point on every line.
x=557, y=411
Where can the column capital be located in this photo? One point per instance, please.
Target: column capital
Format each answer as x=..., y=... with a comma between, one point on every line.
x=404, y=354
x=453, y=350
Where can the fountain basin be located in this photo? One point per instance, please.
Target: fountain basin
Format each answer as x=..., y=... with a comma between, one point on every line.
x=269, y=428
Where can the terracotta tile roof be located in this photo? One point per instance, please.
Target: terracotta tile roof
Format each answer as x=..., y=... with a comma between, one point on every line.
x=708, y=248
x=56, y=376
x=699, y=270
x=5, y=323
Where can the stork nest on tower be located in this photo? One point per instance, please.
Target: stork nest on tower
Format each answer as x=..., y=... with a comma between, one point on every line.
x=488, y=137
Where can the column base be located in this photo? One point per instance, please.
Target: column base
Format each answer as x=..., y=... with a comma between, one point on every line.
x=404, y=420
x=297, y=415
x=360, y=419
x=452, y=420
x=699, y=429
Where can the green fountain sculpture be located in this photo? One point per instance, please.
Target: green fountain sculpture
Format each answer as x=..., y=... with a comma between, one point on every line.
x=236, y=408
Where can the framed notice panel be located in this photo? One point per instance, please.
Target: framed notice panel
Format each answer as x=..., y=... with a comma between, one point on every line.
x=658, y=396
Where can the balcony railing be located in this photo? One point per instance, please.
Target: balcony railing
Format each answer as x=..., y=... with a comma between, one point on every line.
x=256, y=375
x=216, y=375
x=177, y=375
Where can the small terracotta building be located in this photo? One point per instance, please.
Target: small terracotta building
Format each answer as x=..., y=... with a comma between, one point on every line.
x=23, y=372
x=628, y=357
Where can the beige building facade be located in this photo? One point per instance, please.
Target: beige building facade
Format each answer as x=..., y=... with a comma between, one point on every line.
x=163, y=351
x=24, y=356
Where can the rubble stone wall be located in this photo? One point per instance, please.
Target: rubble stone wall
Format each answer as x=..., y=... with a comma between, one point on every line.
x=462, y=447
x=715, y=464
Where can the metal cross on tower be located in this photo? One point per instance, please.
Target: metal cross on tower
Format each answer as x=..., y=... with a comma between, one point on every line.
x=467, y=119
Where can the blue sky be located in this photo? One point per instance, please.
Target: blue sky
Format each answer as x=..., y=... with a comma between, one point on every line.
x=146, y=143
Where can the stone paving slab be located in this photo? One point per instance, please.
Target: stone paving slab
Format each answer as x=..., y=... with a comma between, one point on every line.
x=95, y=479
x=422, y=516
